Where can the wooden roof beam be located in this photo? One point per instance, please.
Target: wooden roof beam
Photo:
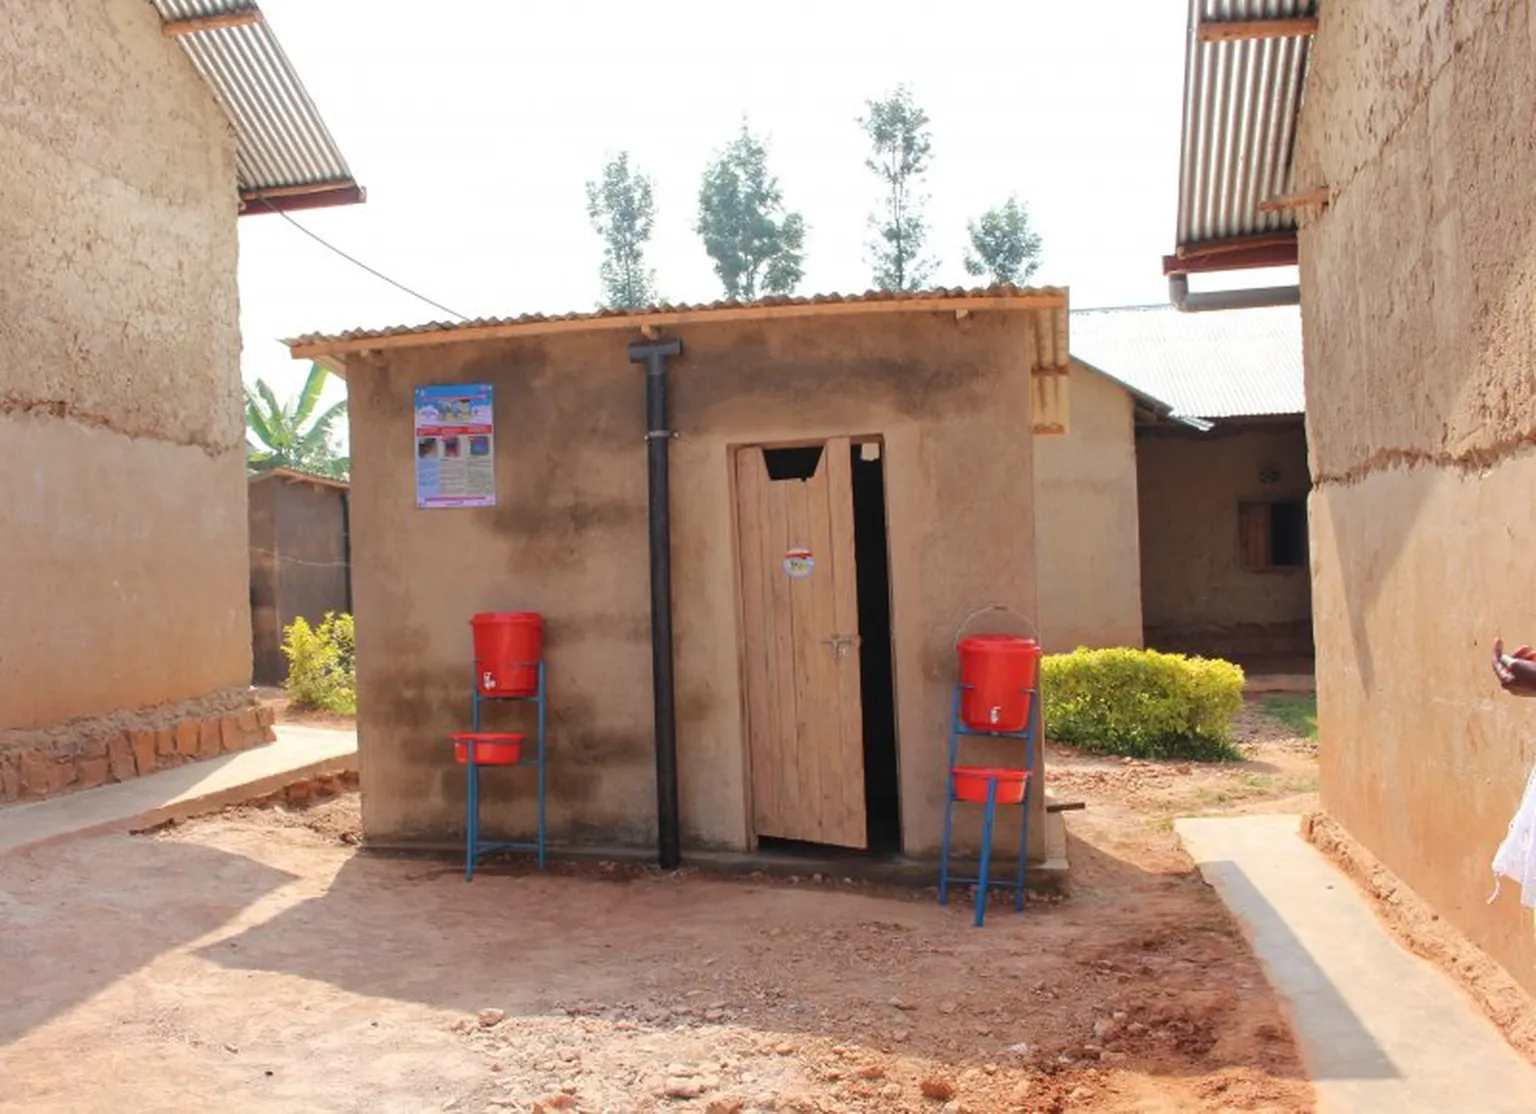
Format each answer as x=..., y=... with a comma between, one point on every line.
x=1307, y=199
x=179, y=27
x=283, y=199
x=1241, y=254
x=1235, y=30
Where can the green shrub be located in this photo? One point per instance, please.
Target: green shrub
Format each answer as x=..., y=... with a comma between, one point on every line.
x=1142, y=703
x=322, y=664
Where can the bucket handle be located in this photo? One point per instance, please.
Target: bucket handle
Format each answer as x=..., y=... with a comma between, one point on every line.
x=1034, y=631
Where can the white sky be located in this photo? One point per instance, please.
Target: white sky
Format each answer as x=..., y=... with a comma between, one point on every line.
x=474, y=124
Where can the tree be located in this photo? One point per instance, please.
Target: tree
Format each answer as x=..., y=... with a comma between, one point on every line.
x=744, y=226
x=899, y=148
x=278, y=437
x=623, y=212
x=1003, y=246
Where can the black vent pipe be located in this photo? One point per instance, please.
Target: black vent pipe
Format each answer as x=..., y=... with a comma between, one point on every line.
x=654, y=355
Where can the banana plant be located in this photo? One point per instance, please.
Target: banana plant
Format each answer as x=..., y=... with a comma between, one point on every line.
x=292, y=435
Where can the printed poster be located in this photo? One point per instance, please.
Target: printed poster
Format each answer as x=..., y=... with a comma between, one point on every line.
x=455, y=446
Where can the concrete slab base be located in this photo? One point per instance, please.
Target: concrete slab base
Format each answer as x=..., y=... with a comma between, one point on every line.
x=1381, y=1030
x=298, y=754
x=1047, y=877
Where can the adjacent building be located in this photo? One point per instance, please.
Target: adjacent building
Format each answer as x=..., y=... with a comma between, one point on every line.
x=850, y=480
x=301, y=560
x=934, y=454
x=135, y=134
x=1387, y=152
x=1221, y=489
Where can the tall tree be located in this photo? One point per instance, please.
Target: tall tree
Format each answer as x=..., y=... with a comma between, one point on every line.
x=756, y=245
x=623, y=212
x=900, y=145
x=1004, y=247
x=284, y=436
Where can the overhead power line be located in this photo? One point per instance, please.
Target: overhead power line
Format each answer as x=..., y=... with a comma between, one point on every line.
x=359, y=263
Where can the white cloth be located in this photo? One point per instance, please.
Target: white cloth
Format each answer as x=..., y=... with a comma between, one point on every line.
x=1516, y=856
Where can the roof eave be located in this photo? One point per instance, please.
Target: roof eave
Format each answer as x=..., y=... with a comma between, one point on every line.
x=1245, y=70
x=336, y=348
x=1238, y=253
x=293, y=475
x=291, y=199
x=285, y=156
x=1150, y=403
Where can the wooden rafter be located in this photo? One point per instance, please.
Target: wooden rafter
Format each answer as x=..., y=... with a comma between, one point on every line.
x=1306, y=199
x=177, y=28
x=1274, y=249
x=282, y=199
x=1233, y=30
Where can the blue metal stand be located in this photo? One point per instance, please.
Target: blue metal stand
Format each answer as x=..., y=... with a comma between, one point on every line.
x=474, y=847
x=989, y=815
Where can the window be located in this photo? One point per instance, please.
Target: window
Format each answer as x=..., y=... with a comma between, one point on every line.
x=793, y=464
x=1272, y=534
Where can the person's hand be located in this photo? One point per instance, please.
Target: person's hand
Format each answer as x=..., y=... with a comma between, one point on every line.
x=1517, y=671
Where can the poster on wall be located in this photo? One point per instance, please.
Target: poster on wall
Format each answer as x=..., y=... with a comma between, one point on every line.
x=455, y=446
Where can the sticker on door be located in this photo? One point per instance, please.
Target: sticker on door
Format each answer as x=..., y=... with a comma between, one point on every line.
x=798, y=563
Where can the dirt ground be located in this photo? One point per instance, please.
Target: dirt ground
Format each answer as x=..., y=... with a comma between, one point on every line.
x=256, y=961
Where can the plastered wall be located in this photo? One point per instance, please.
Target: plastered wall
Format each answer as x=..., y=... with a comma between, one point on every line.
x=569, y=538
x=298, y=552
x=1086, y=528
x=1196, y=595
x=1419, y=303
x=122, y=502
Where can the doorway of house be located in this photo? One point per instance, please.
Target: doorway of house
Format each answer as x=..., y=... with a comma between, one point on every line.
x=815, y=589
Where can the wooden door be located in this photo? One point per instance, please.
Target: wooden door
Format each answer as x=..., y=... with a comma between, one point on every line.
x=805, y=725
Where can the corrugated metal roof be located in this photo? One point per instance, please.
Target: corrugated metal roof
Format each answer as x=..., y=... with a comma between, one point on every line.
x=294, y=475
x=1242, y=98
x=1239, y=363
x=283, y=143
x=1049, y=337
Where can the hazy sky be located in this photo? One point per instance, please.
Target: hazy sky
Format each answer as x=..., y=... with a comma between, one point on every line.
x=474, y=124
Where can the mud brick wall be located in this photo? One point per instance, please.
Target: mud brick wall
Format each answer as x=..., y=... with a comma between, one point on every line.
x=1419, y=303
x=48, y=764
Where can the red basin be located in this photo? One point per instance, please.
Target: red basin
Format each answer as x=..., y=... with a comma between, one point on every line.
x=491, y=748
x=971, y=784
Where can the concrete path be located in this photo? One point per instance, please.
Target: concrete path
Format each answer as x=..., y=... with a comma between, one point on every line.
x=298, y=753
x=1381, y=1031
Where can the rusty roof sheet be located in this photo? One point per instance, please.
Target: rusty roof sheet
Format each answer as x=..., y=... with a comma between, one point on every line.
x=284, y=149
x=1049, y=303
x=295, y=475
x=1235, y=364
x=1242, y=98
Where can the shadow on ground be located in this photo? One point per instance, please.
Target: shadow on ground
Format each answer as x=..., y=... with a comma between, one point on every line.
x=72, y=922
x=845, y=964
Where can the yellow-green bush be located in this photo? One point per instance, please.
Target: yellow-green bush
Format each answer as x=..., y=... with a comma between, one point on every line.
x=1142, y=703
x=322, y=664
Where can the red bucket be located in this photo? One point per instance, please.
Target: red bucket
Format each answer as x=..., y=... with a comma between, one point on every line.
x=996, y=670
x=971, y=784
x=491, y=748
x=508, y=647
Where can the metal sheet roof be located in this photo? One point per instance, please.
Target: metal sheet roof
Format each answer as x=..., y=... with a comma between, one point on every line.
x=294, y=475
x=285, y=157
x=1242, y=98
x=1240, y=363
x=1048, y=338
